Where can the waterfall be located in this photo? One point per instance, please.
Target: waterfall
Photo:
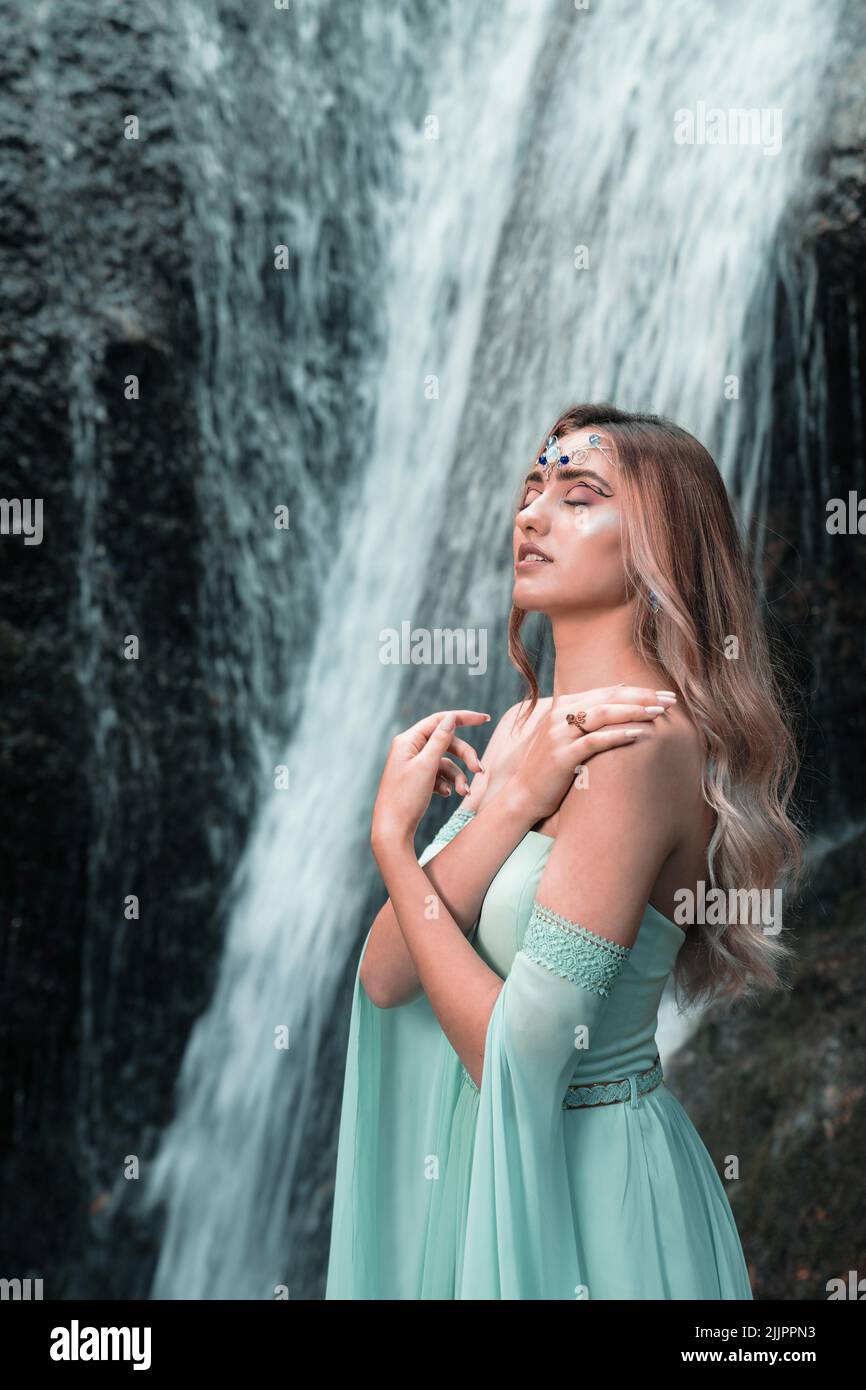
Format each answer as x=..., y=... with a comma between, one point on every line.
x=528, y=132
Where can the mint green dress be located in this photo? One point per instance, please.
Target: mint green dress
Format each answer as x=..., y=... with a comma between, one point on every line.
x=518, y=1190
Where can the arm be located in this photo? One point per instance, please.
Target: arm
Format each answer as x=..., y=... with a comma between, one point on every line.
x=460, y=877
x=460, y=988
x=532, y=774
x=613, y=839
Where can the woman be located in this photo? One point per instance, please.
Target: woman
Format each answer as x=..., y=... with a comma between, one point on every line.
x=506, y=1131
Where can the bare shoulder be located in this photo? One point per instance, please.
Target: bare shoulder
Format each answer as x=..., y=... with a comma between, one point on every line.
x=636, y=809
x=674, y=740
x=658, y=776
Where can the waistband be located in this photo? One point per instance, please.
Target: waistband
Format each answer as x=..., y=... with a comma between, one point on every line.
x=629, y=1088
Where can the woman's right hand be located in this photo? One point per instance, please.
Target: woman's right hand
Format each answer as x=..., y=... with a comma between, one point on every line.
x=555, y=750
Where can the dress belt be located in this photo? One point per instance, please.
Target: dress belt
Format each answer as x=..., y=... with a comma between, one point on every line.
x=630, y=1088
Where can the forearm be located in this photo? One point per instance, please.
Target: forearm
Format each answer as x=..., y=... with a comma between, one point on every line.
x=460, y=988
x=387, y=971
x=462, y=872
x=459, y=876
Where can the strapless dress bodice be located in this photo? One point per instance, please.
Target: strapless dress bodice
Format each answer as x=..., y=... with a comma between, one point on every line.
x=625, y=1040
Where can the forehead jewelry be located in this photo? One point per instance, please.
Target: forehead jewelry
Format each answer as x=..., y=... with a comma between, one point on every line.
x=552, y=453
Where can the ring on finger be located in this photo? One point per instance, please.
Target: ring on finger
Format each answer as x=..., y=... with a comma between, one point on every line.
x=578, y=720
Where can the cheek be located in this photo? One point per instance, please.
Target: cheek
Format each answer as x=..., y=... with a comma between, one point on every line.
x=596, y=547
x=596, y=529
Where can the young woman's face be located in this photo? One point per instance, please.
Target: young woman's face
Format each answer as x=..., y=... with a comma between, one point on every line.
x=573, y=518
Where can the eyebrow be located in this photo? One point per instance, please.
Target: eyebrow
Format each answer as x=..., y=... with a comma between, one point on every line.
x=568, y=472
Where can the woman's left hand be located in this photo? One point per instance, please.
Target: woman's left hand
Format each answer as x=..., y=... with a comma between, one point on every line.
x=416, y=767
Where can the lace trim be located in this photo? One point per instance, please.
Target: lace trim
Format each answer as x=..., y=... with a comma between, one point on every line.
x=572, y=951
x=452, y=827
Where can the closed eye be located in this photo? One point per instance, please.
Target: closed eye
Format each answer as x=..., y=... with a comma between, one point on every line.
x=581, y=502
x=533, y=492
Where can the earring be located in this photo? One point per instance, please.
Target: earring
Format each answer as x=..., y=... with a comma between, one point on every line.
x=654, y=602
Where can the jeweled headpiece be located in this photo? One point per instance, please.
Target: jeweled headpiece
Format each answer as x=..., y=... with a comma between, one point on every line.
x=552, y=453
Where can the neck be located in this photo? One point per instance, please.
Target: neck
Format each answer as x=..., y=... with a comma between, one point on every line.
x=594, y=649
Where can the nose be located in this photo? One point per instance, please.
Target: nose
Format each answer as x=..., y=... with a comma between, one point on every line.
x=533, y=517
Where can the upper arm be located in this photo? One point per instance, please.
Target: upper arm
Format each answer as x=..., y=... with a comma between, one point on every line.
x=615, y=830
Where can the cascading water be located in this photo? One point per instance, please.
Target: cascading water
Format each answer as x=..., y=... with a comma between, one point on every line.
x=555, y=130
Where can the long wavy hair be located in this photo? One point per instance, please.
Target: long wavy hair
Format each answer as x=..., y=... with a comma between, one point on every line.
x=681, y=541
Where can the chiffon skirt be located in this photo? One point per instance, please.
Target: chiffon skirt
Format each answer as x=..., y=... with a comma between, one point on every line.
x=439, y=1194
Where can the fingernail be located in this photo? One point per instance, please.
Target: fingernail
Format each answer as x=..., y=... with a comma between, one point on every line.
x=633, y=733
x=481, y=767
x=655, y=709
x=666, y=697
x=449, y=721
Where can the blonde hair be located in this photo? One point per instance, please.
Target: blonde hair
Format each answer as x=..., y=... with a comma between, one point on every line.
x=681, y=541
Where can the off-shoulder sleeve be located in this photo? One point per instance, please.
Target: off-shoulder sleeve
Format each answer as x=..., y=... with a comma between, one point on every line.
x=517, y=1244
x=400, y=1087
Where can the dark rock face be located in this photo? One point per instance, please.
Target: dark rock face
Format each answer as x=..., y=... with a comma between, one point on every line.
x=102, y=756
x=139, y=777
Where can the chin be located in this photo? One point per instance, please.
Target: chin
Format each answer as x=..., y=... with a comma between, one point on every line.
x=527, y=595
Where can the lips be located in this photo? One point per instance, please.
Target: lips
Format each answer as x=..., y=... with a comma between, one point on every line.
x=533, y=553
